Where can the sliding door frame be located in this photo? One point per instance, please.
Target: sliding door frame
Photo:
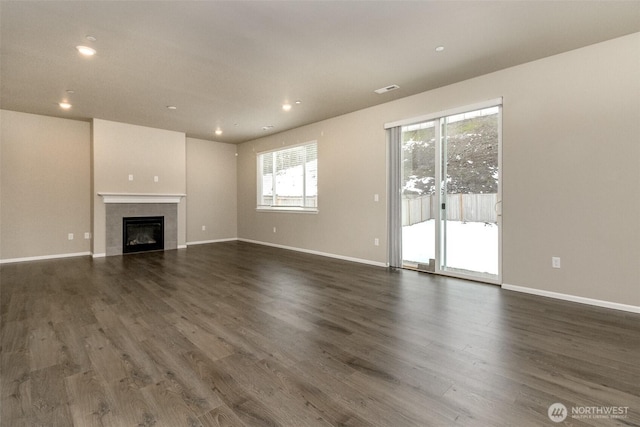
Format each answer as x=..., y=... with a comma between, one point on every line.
x=440, y=171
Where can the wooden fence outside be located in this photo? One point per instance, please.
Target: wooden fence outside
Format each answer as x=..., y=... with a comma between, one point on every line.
x=460, y=207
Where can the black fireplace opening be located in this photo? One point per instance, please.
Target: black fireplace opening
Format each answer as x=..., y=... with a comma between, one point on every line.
x=142, y=234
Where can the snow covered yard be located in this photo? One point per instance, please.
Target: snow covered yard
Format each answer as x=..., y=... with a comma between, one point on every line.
x=470, y=246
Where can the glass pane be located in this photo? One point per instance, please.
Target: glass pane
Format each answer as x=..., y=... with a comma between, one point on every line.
x=471, y=229
x=266, y=168
x=418, y=195
x=290, y=177
x=311, y=179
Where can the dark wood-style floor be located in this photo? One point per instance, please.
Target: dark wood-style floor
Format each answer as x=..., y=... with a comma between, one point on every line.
x=236, y=334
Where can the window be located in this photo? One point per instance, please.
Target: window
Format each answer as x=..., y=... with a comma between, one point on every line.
x=288, y=179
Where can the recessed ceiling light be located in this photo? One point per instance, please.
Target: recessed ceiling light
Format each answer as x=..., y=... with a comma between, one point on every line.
x=386, y=89
x=86, y=50
x=64, y=105
x=171, y=107
x=439, y=48
x=70, y=92
x=218, y=131
x=91, y=38
x=298, y=102
x=286, y=107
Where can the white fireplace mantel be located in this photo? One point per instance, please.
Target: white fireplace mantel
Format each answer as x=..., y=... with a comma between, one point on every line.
x=141, y=197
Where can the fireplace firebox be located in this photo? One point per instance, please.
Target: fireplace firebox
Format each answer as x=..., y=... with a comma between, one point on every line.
x=142, y=234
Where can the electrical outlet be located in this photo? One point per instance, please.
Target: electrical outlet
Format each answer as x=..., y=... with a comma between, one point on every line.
x=70, y=236
x=204, y=228
x=376, y=241
x=155, y=178
x=555, y=262
x=376, y=198
x=130, y=177
x=87, y=235
x=274, y=229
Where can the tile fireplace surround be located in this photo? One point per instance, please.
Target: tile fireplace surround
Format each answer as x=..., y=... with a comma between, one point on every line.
x=119, y=206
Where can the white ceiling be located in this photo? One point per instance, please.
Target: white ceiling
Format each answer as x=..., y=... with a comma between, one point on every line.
x=233, y=64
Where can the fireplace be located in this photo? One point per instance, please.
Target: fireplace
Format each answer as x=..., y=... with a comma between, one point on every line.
x=115, y=213
x=142, y=234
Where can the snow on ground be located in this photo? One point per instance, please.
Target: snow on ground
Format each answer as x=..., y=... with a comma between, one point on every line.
x=470, y=246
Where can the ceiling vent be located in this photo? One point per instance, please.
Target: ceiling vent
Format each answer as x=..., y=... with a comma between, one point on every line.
x=386, y=89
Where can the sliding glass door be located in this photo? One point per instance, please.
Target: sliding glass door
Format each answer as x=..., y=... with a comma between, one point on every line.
x=469, y=217
x=419, y=198
x=451, y=194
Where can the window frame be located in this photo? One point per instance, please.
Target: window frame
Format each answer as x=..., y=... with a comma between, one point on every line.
x=259, y=181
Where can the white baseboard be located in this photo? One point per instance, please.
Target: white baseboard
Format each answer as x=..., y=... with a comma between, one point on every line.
x=102, y=255
x=182, y=247
x=204, y=242
x=325, y=254
x=573, y=298
x=44, y=257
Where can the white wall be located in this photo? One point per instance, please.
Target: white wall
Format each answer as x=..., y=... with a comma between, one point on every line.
x=120, y=150
x=47, y=189
x=44, y=184
x=351, y=169
x=212, y=191
x=571, y=147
